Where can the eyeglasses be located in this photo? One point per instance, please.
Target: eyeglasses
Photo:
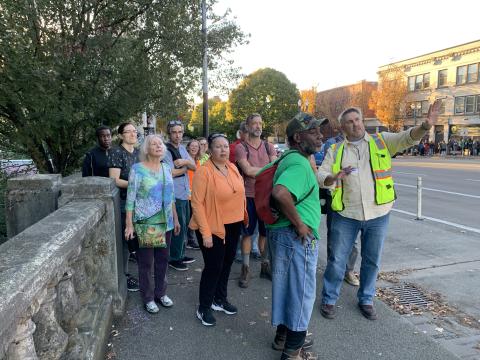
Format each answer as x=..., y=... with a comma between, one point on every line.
x=130, y=132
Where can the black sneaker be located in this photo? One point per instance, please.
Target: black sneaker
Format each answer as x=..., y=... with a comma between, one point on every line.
x=224, y=306
x=206, y=317
x=188, y=260
x=192, y=246
x=132, y=284
x=178, y=265
x=256, y=256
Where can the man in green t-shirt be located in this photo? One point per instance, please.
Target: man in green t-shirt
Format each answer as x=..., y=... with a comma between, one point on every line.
x=293, y=239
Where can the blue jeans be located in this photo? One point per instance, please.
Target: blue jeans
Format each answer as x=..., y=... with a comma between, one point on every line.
x=344, y=231
x=294, y=268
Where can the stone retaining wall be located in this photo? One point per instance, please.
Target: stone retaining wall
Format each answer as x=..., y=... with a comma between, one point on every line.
x=61, y=279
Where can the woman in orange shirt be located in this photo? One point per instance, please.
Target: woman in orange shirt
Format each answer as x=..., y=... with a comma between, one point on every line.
x=193, y=149
x=219, y=208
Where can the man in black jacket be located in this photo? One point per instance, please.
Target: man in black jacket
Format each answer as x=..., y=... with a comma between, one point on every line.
x=95, y=162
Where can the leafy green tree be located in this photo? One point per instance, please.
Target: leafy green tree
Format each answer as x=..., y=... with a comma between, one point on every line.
x=269, y=93
x=218, y=118
x=67, y=66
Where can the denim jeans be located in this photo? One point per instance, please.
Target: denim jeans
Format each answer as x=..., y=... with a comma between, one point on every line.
x=177, y=247
x=294, y=268
x=344, y=231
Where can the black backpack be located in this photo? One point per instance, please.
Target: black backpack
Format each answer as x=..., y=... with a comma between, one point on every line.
x=175, y=154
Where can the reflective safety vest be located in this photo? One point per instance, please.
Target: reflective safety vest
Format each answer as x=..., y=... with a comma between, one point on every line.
x=381, y=166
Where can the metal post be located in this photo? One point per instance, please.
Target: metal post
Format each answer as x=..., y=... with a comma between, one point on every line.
x=419, y=199
x=205, y=66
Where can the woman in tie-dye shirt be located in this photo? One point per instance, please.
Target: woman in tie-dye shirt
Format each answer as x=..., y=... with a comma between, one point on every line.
x=150, y=212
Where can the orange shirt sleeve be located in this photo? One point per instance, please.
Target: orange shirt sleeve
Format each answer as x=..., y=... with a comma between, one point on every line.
x=199, y=192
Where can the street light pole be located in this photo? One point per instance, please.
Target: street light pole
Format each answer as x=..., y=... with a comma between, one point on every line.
x=205, y=67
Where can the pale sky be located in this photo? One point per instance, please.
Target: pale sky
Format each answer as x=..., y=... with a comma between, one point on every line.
x=330, y=43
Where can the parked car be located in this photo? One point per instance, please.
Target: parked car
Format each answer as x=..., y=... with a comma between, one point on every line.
x=280, y=148
x=17, y=167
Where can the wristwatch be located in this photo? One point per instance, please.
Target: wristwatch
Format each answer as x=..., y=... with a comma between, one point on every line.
x=425, y=127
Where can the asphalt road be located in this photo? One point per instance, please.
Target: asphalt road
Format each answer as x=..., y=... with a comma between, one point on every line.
x=451, y=188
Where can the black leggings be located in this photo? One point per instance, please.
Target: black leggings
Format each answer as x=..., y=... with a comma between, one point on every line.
x=218, y=261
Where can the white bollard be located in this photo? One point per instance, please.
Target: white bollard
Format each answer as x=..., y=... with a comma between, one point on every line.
x=419, y=199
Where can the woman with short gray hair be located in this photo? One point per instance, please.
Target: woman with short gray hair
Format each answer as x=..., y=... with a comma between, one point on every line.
x=150, y=213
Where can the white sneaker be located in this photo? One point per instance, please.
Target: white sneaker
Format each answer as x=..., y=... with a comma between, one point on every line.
x=151, y=307
x=165, y=301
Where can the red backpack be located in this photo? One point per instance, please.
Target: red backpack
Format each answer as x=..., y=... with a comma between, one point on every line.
x=266, y=210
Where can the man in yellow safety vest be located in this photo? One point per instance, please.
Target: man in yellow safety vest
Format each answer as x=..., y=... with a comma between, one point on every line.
x=358, y=173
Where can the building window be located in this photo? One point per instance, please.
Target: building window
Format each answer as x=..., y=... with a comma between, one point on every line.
x=442, y=106
x=411, y=83
x=425, y=105
x=426, y=81
x=461, y=75
x=419, y=82
x=442, y=78
x=472, y=73
x=469, y=104
x=460, y=105
x=478, y=104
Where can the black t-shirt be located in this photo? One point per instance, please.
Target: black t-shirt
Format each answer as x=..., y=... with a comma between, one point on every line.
x=120, y=158
x=96, y=162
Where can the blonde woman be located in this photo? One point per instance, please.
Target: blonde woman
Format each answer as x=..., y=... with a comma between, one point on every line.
x=150, y=212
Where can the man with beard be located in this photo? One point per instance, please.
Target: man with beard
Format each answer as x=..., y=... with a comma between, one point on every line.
x=293, y=239
x=251, y=155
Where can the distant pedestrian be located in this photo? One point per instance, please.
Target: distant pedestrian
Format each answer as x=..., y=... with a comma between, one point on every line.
x=219, y=209
x=120, y=160
x=359, y=172
x=293, y=239
x=180, y=162
x=96, y=160
x=150, y=213
x=204, y=155
x=251, y=155
x=241, y=135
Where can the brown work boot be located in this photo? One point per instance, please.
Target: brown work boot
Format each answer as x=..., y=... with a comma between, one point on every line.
x=299, y=354
x=265, y=270
x=244, y=277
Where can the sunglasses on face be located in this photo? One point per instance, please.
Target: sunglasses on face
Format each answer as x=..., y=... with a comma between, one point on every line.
x=174, y=123
x=214, y=136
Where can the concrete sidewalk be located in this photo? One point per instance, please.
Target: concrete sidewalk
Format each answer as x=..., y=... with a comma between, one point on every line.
x=176, y=333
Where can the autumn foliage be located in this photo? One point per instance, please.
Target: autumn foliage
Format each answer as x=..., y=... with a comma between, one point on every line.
x=387, y=100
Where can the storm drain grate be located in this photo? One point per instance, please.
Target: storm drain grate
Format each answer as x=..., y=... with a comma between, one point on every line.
x=446, y=335
x=410, y=295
